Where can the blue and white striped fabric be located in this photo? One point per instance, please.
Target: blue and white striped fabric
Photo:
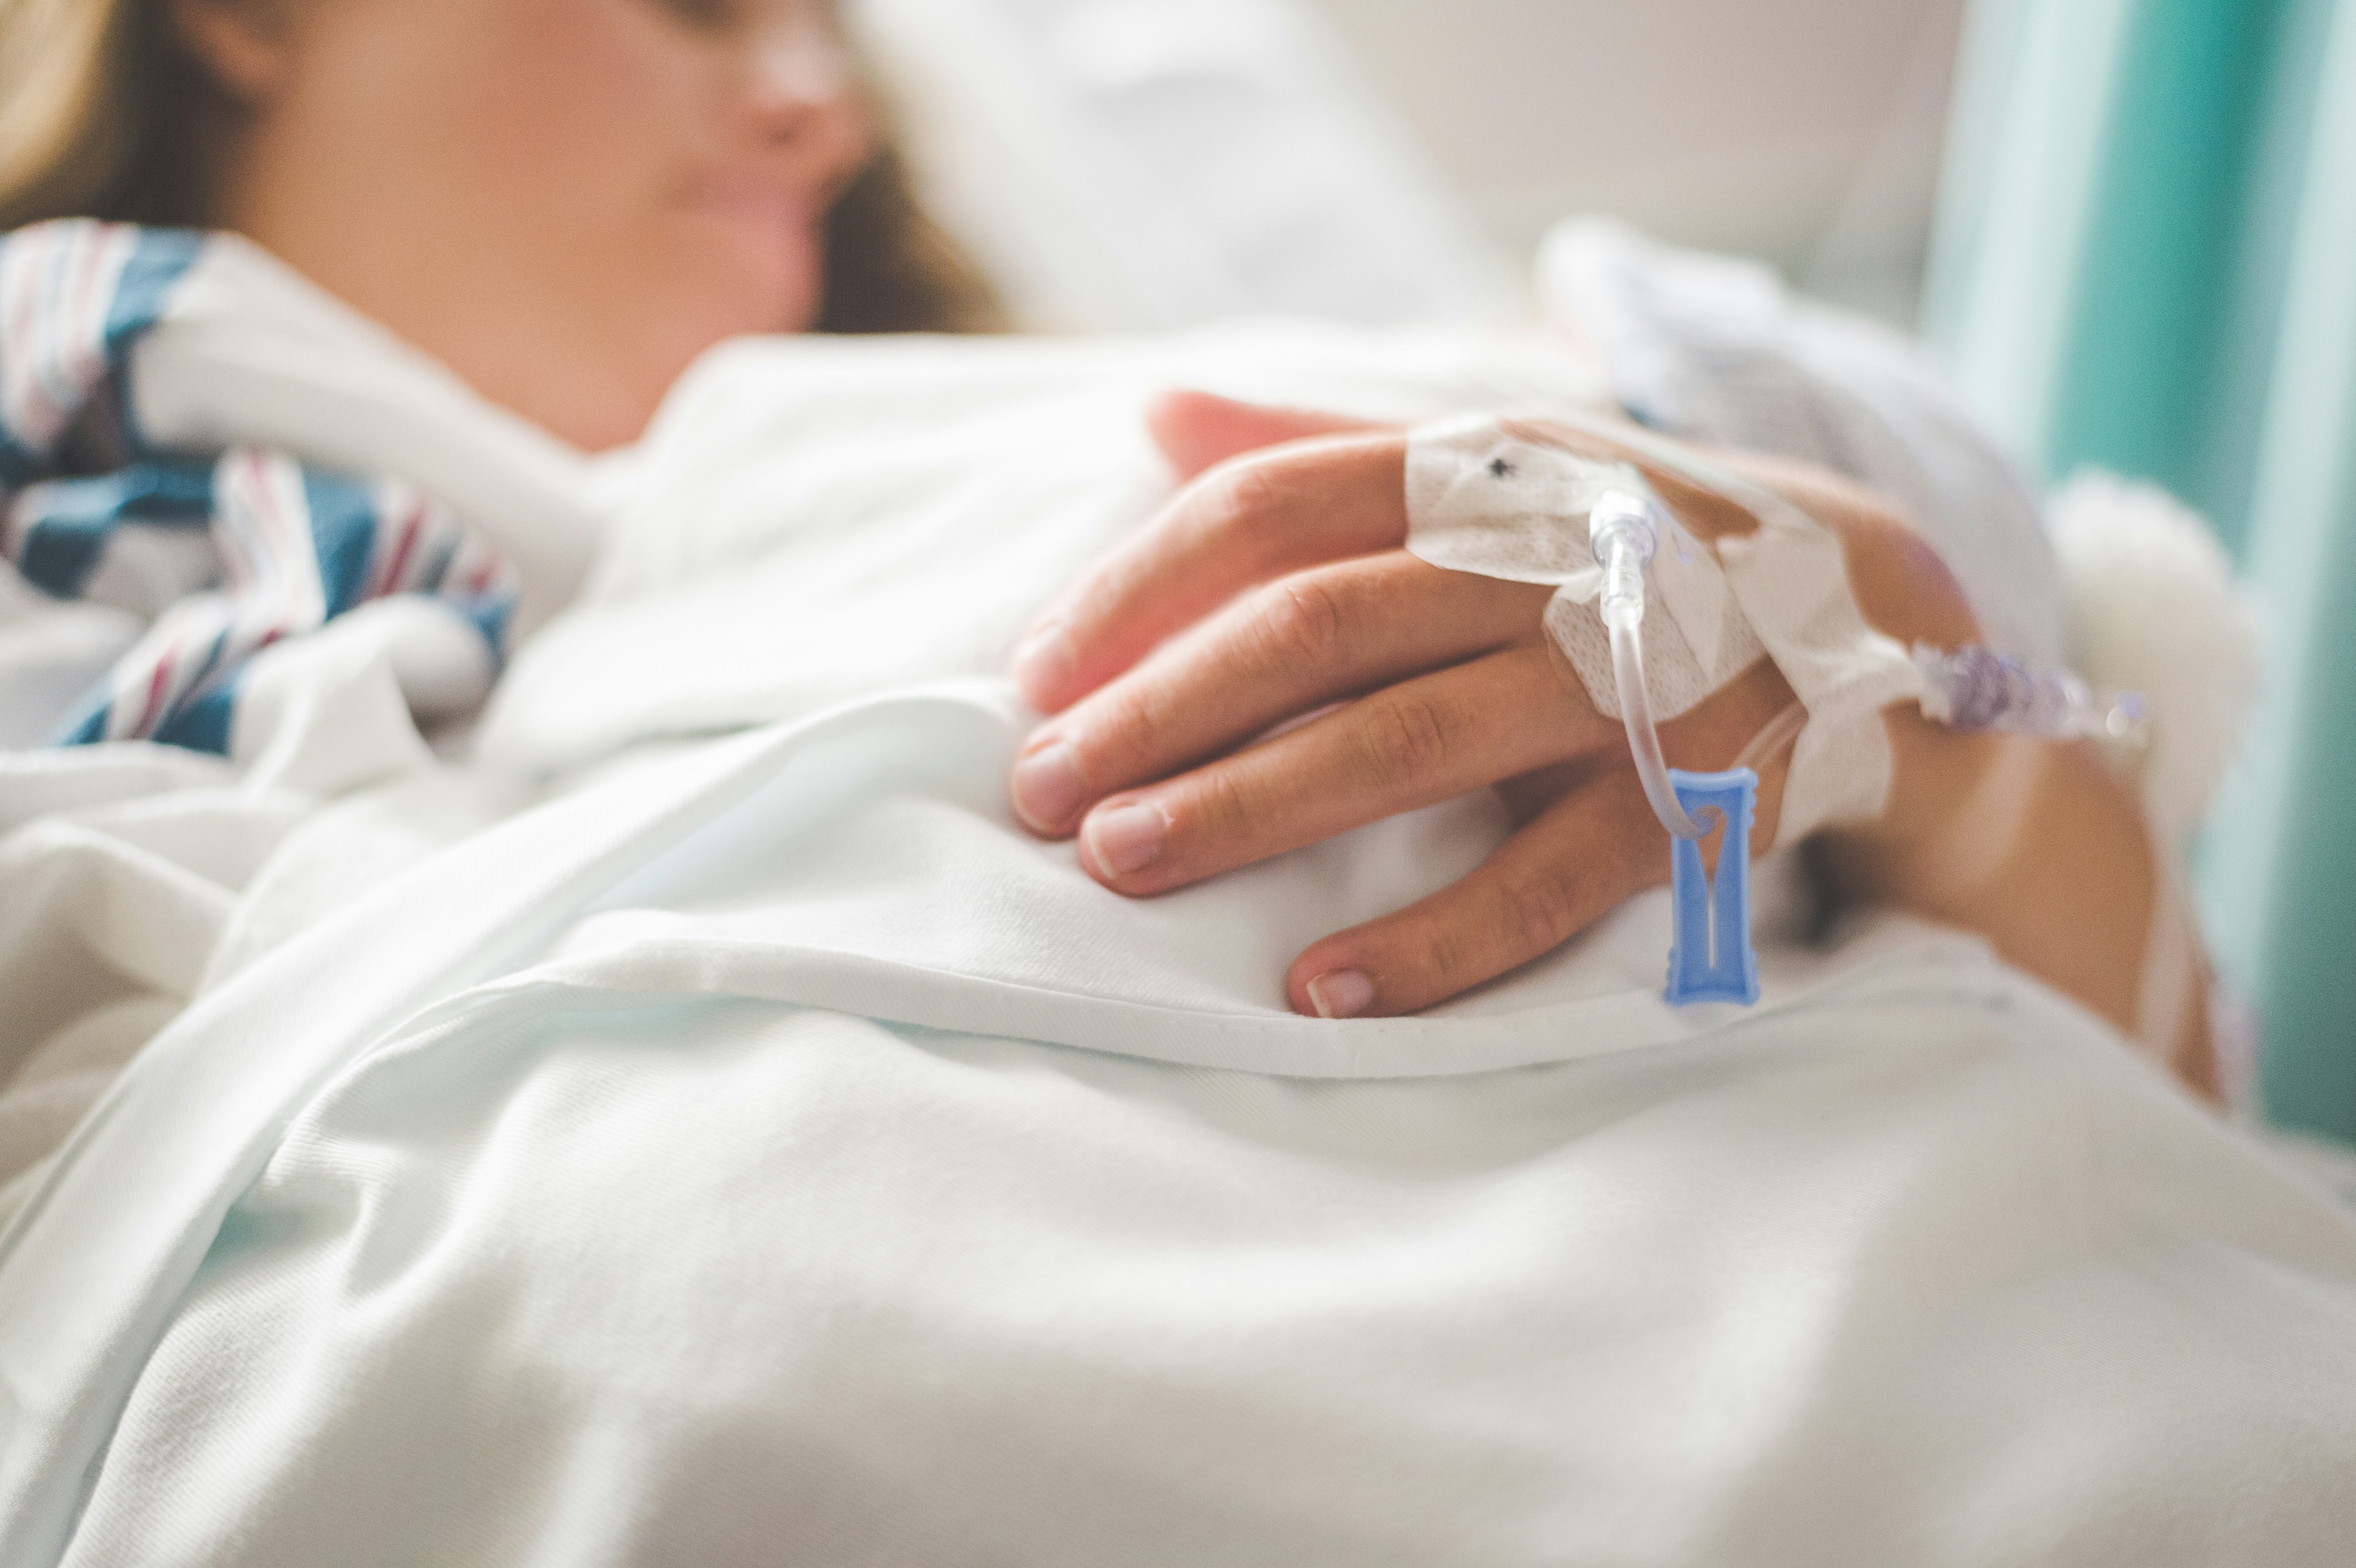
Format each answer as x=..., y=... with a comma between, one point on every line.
x=228, y=553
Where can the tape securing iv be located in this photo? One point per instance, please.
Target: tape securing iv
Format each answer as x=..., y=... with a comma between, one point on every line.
x=1515, y=499
x=1510, y=498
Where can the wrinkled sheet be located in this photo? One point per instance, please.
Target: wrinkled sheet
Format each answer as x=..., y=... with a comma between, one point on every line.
x=622, y=1146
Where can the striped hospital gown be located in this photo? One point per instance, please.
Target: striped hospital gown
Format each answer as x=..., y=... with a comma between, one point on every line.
x=226, y=552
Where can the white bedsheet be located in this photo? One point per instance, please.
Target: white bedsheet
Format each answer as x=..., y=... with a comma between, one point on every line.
x=775, y=1153
x=761, y=1150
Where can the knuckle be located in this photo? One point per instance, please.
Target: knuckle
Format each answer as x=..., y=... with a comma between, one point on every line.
x=1122, y=736
x=1243, y=499
x=1447, y=961
x=1542, y=912
x=1406, y=737
x=1217, y=810
x=1299, y=621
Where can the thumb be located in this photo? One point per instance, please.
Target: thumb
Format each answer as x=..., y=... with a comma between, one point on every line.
x=1197, y=429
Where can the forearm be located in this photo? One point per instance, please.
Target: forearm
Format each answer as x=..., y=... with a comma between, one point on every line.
x=2036, y=844
x=2042, y=848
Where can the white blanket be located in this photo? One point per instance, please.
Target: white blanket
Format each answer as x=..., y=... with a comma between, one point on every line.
x=762, y=1151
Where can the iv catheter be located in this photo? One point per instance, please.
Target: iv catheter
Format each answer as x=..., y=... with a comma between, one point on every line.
x=1711, y=957
x=1979, y=688
x=1621, y=536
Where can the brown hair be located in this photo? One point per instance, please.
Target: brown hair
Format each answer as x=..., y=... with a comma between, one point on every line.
x=890, y=268
x=102, y=112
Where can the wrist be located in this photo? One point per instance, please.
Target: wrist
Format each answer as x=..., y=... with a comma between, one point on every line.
x=2035, y=845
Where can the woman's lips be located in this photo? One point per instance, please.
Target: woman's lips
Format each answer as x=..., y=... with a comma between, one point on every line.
x=750, y=245
x=754, y=200
x=771, y=222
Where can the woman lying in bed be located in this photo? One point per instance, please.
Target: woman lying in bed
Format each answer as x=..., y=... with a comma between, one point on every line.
x=698, y=1123
x=566, y=201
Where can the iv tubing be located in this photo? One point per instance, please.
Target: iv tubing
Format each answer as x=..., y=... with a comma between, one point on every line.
x=1621, y=532
x=1781, y=731
x=1643, y=740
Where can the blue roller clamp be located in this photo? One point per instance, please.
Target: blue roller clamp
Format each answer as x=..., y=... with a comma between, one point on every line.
x=1710, y=958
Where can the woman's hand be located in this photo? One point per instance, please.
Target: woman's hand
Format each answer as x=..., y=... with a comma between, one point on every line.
x=1277, y=585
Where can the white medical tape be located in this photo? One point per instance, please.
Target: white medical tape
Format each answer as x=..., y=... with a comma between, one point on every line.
x=1497, y=498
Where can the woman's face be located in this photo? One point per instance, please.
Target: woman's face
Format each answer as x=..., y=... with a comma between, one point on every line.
x=565, y=200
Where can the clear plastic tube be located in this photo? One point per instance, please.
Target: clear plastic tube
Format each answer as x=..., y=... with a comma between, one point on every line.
x=1623, y=536
x=1968, y=688
x=1780, y=732
x=1644, y=738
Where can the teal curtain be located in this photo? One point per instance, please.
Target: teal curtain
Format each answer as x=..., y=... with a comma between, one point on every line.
x=2146, y=259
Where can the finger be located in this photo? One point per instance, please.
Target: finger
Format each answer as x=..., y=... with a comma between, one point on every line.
x=1197, y=429
x=1406, y=746
x=1243, y=523
x=1548, y=882
x=1281, y=651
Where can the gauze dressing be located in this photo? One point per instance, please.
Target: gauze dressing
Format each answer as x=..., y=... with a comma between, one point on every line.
x=1499, y=497
x=1506, y=499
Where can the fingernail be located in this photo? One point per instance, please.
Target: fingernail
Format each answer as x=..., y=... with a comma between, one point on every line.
x=1044, y=664
x=1341, y=993
x=1046, y=787
x=1127, y=837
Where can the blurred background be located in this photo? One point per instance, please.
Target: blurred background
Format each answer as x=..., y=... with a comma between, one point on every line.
x=2126, y=229
x=1806, y=132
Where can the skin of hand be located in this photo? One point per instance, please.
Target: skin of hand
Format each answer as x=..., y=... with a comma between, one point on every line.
x=1265, y=667
x=565, y=201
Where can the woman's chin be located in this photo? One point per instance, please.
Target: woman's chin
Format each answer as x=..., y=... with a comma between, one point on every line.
x=721, y=287
x=621, y=417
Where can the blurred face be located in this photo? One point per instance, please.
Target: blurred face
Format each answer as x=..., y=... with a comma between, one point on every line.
x=564, y=200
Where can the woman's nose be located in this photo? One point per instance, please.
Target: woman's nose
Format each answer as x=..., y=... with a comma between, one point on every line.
x=803, y=95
